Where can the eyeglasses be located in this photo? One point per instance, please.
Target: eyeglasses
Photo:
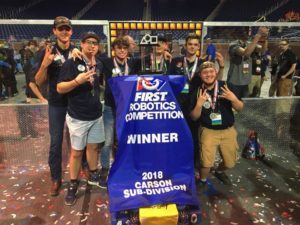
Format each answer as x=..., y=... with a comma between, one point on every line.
x=64, y=28
x=95, y=43
x=283, y=44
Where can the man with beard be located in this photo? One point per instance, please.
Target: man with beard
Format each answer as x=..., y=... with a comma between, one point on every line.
x=188, y=66
x=79, y=79
x=211, y=104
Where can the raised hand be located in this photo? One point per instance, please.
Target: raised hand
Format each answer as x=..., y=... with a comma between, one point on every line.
x=202, y=98
x=263, y=31
x=85, y=77
x=48, y=57
x=76, y=54
x=227, y=94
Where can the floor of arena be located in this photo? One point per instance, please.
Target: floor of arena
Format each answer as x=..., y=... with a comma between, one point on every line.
x=263, y=192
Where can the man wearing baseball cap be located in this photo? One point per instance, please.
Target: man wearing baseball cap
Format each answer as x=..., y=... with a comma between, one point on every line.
x=62, y=21
x=47, y=69
x=211, y=105
x=79, y=80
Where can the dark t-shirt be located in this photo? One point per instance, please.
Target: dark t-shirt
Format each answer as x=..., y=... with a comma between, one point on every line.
x=177, y=67
x=223, y=106
x=285, y=62
x=53, y=71
x=108, y=66
x=83, y=101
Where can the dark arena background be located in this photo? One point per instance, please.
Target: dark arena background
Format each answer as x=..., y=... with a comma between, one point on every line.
x=265, y=191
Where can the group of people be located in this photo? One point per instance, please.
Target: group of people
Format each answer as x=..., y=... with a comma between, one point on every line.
x=74, y=87
x=8, y=82
x=12, y=62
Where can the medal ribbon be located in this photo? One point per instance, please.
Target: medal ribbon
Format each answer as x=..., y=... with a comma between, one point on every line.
x=126, y=72
x=157, y=66
x=88, y=69
x=213, y=100
x=62, y=57
x=186, y=68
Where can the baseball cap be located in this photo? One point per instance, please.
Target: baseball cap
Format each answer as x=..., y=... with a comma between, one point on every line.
x=90, y=34
x=206, y=65
x=62, y=21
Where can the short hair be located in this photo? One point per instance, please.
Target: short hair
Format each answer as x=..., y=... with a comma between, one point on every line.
x=120, y=42
x=192, y=36
x=285, y=39
x=206, y=65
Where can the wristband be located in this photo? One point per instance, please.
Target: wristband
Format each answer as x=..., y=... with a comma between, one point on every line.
x=76, y=82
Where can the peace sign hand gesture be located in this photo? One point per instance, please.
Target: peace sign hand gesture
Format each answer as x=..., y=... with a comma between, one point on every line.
x=227, y=94
x=202, y=98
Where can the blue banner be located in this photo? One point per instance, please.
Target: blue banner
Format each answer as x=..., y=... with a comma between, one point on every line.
x=154, y=160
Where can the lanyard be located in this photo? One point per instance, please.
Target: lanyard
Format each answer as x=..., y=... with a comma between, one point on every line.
x=118, y=69
x=62, y=57
x=186, y=68
x=88, y=69
x=213, y=100
x=157, y=66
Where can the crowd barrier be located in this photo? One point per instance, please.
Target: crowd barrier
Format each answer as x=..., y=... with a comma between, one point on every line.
x=24, y=136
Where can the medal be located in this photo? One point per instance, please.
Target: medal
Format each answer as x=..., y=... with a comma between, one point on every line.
x=213, y=116
x=57, y=57
x=116, y=71
x=81, y=67
x=206, y=105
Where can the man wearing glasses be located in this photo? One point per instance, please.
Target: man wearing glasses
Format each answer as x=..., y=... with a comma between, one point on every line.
x=79, y=79
x=286, y=66
x=47, y=69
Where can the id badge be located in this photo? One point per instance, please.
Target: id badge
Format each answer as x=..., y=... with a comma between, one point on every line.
x=258, y=69
x=186, y=89
x=245, y=68
x=216, y=118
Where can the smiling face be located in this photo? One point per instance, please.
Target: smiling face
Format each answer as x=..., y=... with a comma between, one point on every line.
x=208, y=74
x=63, y=33
x=192, y=46
x=121, y=51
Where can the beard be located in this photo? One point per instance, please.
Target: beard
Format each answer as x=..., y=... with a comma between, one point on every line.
x=209, y=84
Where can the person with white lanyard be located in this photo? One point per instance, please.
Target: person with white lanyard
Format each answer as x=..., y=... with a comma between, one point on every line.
x=47, y=69
x=119, y=65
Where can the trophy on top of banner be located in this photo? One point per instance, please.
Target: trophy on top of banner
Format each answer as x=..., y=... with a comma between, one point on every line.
x=152, y=49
